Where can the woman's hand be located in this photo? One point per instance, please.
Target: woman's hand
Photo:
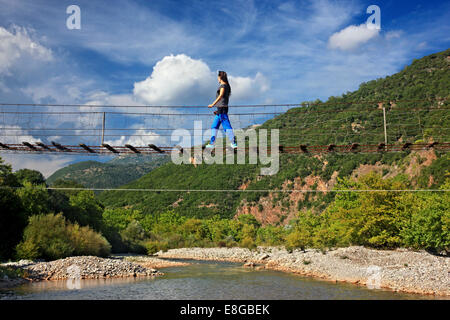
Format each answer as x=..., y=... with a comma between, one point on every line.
x=210, y=106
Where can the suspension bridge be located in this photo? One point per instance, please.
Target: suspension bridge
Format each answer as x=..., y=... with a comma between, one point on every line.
x=359, y=126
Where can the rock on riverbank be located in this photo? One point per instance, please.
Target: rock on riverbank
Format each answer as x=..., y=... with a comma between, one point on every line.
x=83, y=267
x=399, y=270
x=153, y=262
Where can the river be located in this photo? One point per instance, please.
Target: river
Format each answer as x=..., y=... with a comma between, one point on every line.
x=203, y=280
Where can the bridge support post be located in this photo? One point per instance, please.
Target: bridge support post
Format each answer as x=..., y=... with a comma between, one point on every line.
x=380, y=104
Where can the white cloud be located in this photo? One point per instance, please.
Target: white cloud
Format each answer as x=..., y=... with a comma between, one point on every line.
x=140, y=138
x=17, y=48
x=176, y=79
x=47, y=165
x=352, y=37
x=32, y=72
x=246, y=88
x=182, y=80
x=15, y=134
x=328, y=15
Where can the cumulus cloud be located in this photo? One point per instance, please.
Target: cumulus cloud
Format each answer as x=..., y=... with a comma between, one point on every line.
x=140, y=138
x=30, y=71
x=17, y=47
x=245, y=87
x=180, y=80
x=16, y=134
x=352, y=37
x=45, y=164
x=175, y=79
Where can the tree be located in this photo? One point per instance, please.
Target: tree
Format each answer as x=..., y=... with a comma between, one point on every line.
x=51, y=237
x=429, y=226
x=7, y=178
x=45, y=236
x=194, y=228
x=134, y=235
x=12, y=222
x=86, y=209
x=31, y=176
x=249, y=219
x=60, y=183
x=12, y=216
x=368, y=218
x=86, y=241
x=34, y=198
x=303, y=234
x=120, y=218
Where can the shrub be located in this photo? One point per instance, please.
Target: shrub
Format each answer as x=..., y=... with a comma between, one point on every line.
x=429, y=226
x=367, y=218
x=13, y=273
x=222, y=244
x=133, y=236
x=248, y=231
x=163, y=245
x=152, y=247
x=175, y=241
x=248, y=243
x=195, y=228
x=51, y=237
x=270, y=235
x=297, y=239
x=88, y=242
x=49, y=234
x=27, y=250
x=249, y=219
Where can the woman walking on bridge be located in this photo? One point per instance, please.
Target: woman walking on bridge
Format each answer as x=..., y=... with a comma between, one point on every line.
x=221, y=102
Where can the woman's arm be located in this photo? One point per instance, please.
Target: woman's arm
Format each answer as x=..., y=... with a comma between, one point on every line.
x=221, y=93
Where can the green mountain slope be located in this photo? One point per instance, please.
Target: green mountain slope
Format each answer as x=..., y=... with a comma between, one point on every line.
x=111, y=174
x=340, y=120
x=350, y=118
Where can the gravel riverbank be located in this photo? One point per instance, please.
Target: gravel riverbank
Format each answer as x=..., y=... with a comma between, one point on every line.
x=153, y=262
x=399, y=270
x=82, y=267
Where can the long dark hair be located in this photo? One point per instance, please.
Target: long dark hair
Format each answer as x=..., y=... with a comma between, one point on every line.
x=223, y=76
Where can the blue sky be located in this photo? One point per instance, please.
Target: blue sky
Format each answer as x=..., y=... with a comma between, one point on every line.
x=167, y=52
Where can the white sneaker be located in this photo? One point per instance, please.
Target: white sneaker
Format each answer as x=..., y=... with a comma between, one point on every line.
x=234, y=145
x=209, y=146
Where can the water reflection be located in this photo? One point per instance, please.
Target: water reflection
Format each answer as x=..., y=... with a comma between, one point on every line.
x=204, y=280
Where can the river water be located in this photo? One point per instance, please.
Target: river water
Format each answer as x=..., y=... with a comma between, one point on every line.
x=203, y=280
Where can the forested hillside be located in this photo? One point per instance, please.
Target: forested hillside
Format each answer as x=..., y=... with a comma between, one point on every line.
x=116, y=172
x=37, y=222
x=339, y=120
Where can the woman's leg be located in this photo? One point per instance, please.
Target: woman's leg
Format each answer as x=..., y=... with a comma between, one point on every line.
x=226, y=125
x=215, y=125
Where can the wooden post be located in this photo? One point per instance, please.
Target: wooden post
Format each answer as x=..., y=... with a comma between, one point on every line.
x=380, y=105
x=384, y=120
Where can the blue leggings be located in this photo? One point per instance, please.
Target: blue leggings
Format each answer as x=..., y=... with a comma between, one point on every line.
x=226, y=125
